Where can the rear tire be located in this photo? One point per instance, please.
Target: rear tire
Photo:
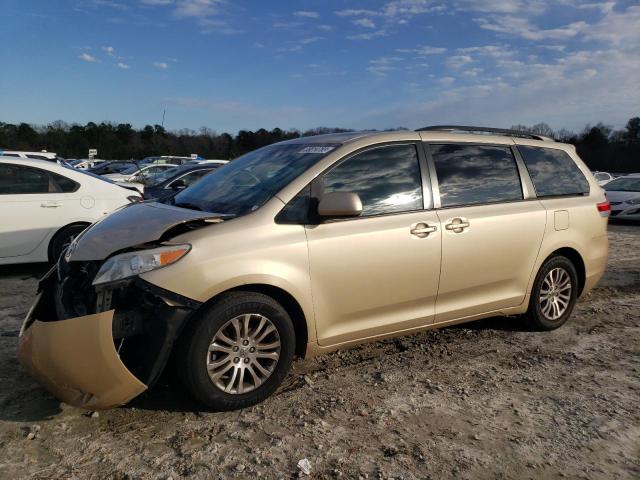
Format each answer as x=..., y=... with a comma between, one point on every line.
x=553, y=295
x=62, y=239
x=227, y=364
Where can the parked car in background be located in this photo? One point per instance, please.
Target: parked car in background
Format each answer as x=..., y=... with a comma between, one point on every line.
x=42, y=155
x=624, y=195
x=200, y=162
x=166, y=159
x=602, y=177
x=139, y=173
x=87, y=164
x=311, y=245
x=166, y=184
x=112, y=166
x=44, y=205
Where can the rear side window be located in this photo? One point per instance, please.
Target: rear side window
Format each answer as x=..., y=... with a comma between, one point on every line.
x=553, y=172
x=23, y=180
x=476, y=174
x=65, y=184
x=387, y=179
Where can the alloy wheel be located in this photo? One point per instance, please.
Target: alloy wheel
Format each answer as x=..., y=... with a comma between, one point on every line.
x=243, y=354
x=555, y=293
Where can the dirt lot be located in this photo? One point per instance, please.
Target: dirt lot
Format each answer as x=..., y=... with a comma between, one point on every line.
x=487, y=400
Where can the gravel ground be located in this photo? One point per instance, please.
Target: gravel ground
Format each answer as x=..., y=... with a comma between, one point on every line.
x=486, y=400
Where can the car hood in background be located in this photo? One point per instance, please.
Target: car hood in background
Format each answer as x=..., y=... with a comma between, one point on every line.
x=133, y=225
x=614, y=196
x=138, y=187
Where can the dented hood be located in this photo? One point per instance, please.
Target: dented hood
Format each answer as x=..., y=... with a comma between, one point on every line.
x=132, y=225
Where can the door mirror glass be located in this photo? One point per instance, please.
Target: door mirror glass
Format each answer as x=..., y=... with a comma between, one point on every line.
x=340, y=204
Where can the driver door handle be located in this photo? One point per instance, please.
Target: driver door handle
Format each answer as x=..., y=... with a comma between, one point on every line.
x=457, y=225
x=50, y=204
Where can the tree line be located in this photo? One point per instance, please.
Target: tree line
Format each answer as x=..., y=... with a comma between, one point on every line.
x=600, y=146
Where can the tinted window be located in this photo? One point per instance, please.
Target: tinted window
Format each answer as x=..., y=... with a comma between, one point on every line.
x=387, y=179
x=297, y=210
x=65, y=184
x=15, y=155
x=553, y=172
x=624, y=184
x=193, y=177
x=473, y=174
x=22, y=180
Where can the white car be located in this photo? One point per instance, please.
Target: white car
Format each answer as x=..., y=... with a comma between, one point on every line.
x=43, y=155
x=624, y=195
x=199, y=162
x=139, y=173
x=87, y=164
x=602, y=177
x=44, y=205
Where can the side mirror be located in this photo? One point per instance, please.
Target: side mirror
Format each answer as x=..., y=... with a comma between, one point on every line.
x=340, y=204
x=178, y=185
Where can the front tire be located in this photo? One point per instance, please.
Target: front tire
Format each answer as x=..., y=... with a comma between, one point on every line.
x=237, y=351
x=554, y=294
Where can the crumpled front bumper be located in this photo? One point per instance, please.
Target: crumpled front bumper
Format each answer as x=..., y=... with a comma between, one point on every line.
x=105, y=359
x=76, y=360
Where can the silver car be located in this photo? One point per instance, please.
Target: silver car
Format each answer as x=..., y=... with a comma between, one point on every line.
x=624, y=195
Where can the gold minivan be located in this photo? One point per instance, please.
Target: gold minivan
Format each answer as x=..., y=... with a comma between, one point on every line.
x=315, y=244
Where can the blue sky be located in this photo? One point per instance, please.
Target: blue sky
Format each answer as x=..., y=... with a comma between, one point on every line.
x=234, y=64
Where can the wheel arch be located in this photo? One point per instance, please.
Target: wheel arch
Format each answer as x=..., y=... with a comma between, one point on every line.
x=288, y=302
x=574, y=257
x=59, y=231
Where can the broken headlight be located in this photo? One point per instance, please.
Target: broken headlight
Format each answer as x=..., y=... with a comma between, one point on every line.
x=130, y=264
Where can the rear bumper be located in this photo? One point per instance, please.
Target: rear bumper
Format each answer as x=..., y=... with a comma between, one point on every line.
x=595, y=262
x=76, y=360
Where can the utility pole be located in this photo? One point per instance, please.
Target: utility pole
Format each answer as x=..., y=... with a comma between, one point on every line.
x=163, y=114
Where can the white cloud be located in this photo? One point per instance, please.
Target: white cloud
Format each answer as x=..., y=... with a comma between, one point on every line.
x=307, y=41
x=369, y=36
x=364, y=22
x=161, y=65
x=156, y=2
x=521, y=27
x=383, y=65
x=423, y=51
x=619, y=29
x=565, y=92
x=85, y=57
x=457, y=61
x=395, y=11
x=109, y=51
x=122, y=65
x=326, y=28
x=306, y=14
x=196, y=8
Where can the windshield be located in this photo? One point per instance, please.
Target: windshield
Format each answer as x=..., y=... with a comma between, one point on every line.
x=130, y=170
x=158, y=178
x=248, y=182
x=624, y=184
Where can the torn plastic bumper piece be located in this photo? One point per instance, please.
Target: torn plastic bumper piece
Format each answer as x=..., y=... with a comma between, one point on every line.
x=76, y=360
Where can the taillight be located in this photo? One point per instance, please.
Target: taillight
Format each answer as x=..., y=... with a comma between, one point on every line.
x=604, y=208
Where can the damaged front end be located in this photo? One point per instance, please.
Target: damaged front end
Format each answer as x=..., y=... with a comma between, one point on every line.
x=100, y=345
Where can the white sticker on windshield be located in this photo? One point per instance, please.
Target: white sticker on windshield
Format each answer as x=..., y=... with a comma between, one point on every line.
x=316, y=149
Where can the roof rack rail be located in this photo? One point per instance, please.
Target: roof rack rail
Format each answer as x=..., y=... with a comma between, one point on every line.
x=499, y=131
